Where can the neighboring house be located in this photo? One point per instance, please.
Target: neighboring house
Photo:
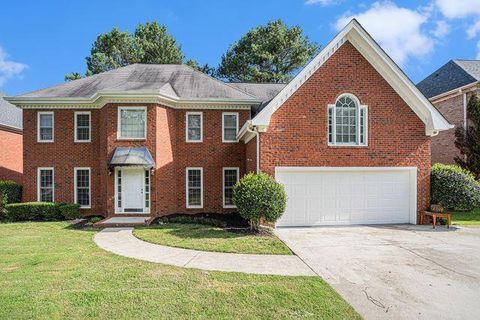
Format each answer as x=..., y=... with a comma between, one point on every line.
x=11, y=149
x=349, y=137
x=449, y=88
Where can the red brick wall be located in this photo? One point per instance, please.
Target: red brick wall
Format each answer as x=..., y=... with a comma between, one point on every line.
x=251, y=156
x=297, y=135
x=212, y=155
x=166, y=142
x=443, y=145
x=11, y=160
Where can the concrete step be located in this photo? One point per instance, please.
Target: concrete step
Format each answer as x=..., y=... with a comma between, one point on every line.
x=123, y=221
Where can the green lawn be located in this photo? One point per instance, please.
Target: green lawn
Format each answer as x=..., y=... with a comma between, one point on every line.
x=208, y=238
x=466, y=218
x=49, y=271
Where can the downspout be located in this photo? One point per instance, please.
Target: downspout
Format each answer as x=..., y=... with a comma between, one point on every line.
x=257, y=134
x=465, y=111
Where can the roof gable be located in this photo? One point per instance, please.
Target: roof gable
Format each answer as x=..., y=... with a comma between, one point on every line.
x=364, y=43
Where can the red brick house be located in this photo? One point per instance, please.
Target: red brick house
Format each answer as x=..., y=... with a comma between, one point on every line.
x=11, y=150
x=349, y=137
x=449, y=88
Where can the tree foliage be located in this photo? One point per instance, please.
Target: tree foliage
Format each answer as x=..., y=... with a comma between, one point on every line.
x=468, y=139
x=150, y=43
x=270, y=53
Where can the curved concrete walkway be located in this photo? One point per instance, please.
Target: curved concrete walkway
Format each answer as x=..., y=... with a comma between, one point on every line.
x=122, y=242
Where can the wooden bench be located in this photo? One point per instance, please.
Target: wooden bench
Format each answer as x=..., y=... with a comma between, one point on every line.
x=434, y=216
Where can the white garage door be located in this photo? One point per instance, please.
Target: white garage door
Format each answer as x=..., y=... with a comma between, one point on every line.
x=342, y=196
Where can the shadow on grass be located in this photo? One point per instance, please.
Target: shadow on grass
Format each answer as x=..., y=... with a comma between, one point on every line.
x=197, y=231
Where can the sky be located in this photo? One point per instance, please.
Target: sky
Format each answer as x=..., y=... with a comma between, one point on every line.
x=41, y=41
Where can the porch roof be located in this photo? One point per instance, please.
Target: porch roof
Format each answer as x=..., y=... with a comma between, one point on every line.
x=132, y=156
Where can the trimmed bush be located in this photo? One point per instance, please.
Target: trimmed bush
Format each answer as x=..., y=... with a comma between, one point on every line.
x=10, y=192
x=41, y=211
x=259, y=196
x=454, y=187
x=69, y=211
x=34, y=211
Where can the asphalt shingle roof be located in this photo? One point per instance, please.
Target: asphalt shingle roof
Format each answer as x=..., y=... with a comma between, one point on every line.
x=10, y=115
x=263, y=91
x=179, y=81
x=454, y=74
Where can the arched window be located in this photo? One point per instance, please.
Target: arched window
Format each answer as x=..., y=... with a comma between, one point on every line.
x=347, y=122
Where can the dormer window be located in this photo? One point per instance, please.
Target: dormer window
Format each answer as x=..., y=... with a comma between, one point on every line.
x=347, y=122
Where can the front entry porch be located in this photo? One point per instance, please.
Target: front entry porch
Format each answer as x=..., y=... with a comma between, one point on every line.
x=132, y=190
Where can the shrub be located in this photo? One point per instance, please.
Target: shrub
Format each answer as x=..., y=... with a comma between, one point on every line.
x=10, y=192
x=454, y=187
x=197, y=220
x=259, y=196
x=32, y=211
x=69, y=211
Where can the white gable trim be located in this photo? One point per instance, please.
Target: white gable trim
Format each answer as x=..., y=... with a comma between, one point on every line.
x=364, y=43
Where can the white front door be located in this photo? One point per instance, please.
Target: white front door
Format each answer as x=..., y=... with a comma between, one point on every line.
x=132, y=190
x=341, y=196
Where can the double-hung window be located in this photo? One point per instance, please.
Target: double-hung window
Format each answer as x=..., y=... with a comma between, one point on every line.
x=82, y=187
x=45, y=185
x=230, y=179
x=45, y=125
x=132, y=123
x=229, y=126
x=347, y=122
x=82, y=126
x=194, y=127
x=194, y=190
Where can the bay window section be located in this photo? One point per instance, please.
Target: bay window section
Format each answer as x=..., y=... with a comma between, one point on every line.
x=194, y=127
x=132, y=123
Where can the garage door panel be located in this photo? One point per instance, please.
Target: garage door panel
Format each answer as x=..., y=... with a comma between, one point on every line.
x=345, y=196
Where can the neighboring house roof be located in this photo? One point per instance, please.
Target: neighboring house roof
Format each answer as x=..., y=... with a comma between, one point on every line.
x=364, y=43
x=452, y=75
x=10, y=115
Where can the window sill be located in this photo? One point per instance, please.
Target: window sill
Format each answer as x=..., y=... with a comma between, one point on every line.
x=348, y=145
x=229, y=207
x=82, y=141
x=228, y=141
x=89, y=207
x=193, y=141
x=131, y=139
x=194, y=207
x=45, y=141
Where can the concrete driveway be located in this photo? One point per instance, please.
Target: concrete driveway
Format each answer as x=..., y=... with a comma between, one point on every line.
x=396, y=272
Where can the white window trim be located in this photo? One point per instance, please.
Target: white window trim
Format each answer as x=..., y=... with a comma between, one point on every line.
x=201, y=127
x=223, y=126
x=230, y=206
x=89, y=186
x=39, y=169
x=76, y=140
x=334, y=123
x=119, y=131
x=38, y=126
x=201, y=188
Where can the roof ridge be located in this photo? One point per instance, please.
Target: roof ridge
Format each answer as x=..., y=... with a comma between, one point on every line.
x=217, y=80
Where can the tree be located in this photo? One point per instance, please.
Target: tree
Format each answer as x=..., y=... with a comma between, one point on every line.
x=259, y=197
x=155, y=45
x=468, y=139
x=72, y=76
x=151, y=43
x=112, y=50
x=205, y=68
x=270, y=53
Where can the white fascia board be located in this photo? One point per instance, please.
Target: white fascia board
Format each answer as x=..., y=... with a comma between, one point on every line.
x=364, y=43
x=99, y=99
